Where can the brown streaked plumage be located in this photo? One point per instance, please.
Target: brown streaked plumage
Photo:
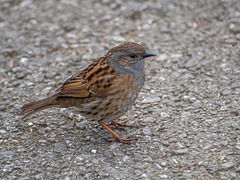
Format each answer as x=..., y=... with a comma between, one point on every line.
x=103, y=91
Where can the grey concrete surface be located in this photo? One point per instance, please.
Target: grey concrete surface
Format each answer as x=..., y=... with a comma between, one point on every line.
x=186, y=118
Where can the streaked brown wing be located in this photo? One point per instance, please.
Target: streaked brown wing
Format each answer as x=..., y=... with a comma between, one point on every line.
x=97, y=78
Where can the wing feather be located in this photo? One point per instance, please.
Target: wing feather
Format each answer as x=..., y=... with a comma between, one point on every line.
x=98, y=78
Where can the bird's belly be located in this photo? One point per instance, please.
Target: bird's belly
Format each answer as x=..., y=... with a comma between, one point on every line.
x=110, y=107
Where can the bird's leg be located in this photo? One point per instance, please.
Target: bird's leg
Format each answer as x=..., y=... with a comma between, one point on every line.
x=117, y=137
x=118, y=124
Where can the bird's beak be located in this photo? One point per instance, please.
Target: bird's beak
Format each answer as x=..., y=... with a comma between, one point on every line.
x=148, y=55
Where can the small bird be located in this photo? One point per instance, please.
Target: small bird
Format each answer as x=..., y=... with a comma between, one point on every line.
x=104, y=91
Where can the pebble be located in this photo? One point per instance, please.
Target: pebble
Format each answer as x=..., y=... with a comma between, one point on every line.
x=237, y=169
x=164, y=114
x=25, y=3
x=162, y=57
x=226, y=92
x=151, y=99
x=227, y=165
x=83, y=124
x=2, y=131
x=21, y=75
x=94, y=151
x=181, y=151
x=235, y=28
x=2, y=107
x=59, y=147
x=147, y=131
x=238, y=36
x=223, y=108
x=163, y=176
x=24, y=60
x=138, y=172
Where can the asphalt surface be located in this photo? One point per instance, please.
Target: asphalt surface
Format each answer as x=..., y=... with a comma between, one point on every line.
x=186, y=118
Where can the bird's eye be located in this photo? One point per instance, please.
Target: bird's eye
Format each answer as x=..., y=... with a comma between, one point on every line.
x=133, y=56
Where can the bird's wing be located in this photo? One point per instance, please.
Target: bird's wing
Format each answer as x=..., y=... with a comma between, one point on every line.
x=98, y=78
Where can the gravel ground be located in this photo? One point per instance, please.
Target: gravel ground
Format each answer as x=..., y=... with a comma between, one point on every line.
x=186, y=118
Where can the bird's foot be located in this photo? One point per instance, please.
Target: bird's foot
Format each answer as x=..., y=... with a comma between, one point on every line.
x=116, y=137
x=118, y=125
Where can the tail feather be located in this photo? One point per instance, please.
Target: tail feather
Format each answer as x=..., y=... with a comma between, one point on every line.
x=33, y=107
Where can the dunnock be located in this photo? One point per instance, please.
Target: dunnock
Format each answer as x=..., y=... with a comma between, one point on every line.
x=103, y=91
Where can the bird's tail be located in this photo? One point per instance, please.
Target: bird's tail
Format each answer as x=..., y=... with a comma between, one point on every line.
x=33, y=107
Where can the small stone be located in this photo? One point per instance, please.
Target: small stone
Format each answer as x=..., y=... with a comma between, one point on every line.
x=238, y=36
x=186, y=98
x=9, y=52
x=163, y=176
x=21, y=75
x=84, y=40
x=68, y=27
x=185, y=116
x=30, y=123
x=230, y=41
x=12, y=177
x=228, y=165
x=138, y=172
x=143, y=175
x=162, y=57
x=164, y=163
x=25, y=3
x=2, y=131
x=82, y=125
x=197, y=103
x=145, y=27
x=181, y=151
x=42, y=141
x=234, y=28
x=67, y=178
x=126, y=159
x=223, y=108
x=59, y=147
x=119, y=39
x=2, y=108
x=176, y=56
x=189, y=63
x=207, y=146
x=226, y=92
x=80, y=158
x=237, y=169
x=7, y=154
x=224, y=142
x=60, y=39
x=188, y=76
x=39, y=176
x=105, y=1
x=164, y=114
x=231, y=27
x=147, y=130
x=238, y=145
x=94, y=151
x=24, y=60
x=151, y=99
